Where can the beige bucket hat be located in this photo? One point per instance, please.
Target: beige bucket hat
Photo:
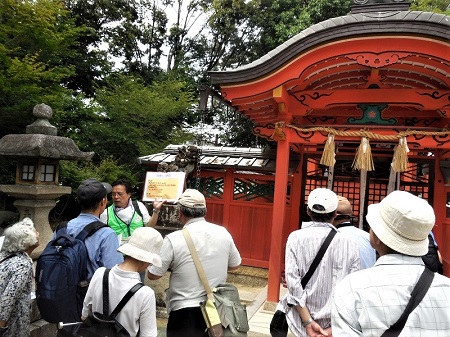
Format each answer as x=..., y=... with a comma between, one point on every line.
x=344, y=207
x=402, y=221
x=144, y=245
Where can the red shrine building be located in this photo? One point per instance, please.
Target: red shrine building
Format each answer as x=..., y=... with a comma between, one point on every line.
x=359, y=104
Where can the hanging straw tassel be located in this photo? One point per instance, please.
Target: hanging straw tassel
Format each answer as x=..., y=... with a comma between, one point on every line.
x=400, y=161
x=363, y=159
x=328, y=155
x=279, y=131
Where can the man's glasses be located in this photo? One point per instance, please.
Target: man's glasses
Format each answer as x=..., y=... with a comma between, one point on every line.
x=119, y=194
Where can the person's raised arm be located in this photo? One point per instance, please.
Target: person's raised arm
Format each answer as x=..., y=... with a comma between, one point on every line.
x=156, y=210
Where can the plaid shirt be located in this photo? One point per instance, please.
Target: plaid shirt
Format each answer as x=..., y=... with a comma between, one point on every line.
x=368, y=302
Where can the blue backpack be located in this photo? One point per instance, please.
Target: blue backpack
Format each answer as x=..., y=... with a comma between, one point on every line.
x=61, y=275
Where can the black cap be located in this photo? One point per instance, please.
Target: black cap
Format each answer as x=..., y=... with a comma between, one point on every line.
x=92, y=191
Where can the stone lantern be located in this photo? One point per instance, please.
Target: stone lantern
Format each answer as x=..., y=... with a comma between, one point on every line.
x=37, y=154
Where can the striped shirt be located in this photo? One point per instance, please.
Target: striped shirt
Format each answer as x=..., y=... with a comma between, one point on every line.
x=368, y=302
x=340, y=259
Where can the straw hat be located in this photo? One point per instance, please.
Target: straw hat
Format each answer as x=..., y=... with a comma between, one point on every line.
x=144, y=245
x=402, y=222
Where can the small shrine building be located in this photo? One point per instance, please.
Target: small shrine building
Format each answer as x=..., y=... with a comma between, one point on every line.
x=363, y=101
x=359, y=104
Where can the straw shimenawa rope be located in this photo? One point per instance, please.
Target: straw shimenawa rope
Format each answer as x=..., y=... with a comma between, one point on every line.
x=365, y=133
x=363, y=159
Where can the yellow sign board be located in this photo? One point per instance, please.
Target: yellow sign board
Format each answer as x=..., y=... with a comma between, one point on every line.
x=163, y=186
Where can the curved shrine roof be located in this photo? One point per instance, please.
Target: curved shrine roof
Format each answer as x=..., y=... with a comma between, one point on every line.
x=361, y=24
x=334, y=72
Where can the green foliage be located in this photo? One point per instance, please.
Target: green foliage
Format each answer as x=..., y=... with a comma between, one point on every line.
x=436, y=6
x=236, y=131
x=320, y=10
x=35, y=37
x=72, y=173
x=130, y=119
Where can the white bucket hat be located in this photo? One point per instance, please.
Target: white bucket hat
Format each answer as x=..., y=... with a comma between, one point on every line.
x=144, y=245
x=322, y=200
x=402, y=221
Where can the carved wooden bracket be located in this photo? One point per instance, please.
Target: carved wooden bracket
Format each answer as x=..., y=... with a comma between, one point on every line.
x=375, y=60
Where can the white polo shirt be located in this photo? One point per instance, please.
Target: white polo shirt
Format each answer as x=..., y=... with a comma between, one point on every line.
x=217, y=252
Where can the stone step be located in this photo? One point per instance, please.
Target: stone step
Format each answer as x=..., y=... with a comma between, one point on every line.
x=40, y=327
x=249, y=276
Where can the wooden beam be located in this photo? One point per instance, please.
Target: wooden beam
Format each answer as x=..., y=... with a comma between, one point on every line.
x=422, y=99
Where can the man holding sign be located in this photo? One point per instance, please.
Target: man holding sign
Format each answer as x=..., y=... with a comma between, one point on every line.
x=125, y=215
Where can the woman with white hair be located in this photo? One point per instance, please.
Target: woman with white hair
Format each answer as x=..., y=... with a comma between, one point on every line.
x=16, y=274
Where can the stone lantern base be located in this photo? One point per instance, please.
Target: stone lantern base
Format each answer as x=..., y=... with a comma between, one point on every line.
x=36, y=202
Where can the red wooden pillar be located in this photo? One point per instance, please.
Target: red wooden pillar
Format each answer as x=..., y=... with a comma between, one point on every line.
x=278, y=219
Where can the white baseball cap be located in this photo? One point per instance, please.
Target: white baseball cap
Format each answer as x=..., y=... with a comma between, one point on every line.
x=402, y=222
x=322, y=200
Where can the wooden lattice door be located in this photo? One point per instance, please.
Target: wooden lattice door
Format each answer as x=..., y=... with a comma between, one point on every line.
x=347, y=182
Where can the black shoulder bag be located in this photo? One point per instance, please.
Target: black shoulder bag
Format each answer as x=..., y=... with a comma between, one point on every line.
x=278, y=325
x=137, y=209
x=417, y=296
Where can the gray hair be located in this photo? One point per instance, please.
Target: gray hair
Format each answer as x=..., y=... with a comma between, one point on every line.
x=20, y=236
x=192, y=212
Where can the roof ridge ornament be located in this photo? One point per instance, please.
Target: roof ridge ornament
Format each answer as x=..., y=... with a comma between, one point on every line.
x=370, y=6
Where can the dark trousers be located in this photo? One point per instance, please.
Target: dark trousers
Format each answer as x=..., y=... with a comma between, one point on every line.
x=278, y=325
x=186, y=322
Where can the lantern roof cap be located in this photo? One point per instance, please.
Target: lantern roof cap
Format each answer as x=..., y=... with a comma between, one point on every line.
x=41, y=140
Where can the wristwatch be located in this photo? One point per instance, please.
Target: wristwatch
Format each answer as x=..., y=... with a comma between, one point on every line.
x=308, y=322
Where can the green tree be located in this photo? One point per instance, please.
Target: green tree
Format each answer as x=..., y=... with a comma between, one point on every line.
x=129, y=118
x=437, y=6
x=123, y=34
x=35, y=41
